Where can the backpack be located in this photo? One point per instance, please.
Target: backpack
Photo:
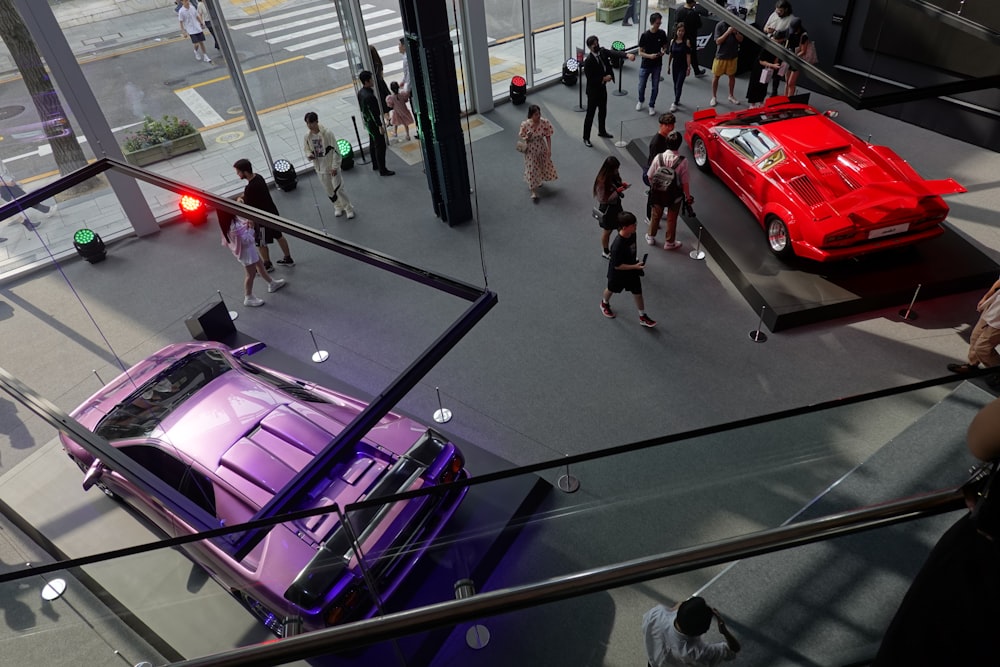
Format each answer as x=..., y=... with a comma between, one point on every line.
x=664, y=177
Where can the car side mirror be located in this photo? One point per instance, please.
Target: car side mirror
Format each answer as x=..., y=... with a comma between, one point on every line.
x=247, y=350
x=94, y=474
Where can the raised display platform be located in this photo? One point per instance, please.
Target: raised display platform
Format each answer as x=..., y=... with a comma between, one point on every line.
x=171, y=608
x=800, y=292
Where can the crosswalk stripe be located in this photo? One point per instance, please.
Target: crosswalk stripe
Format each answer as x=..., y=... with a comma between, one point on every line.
x=331, y=15
x=335, y=36
x=322, y=28
x=199, y=106
x=395, y=35
x=286, y=15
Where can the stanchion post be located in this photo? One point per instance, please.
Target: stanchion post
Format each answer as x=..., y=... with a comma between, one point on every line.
x=582, y=54
x=98, y=377
x=319, y=356
x=758, y=335
x=567, y=483
x=621, y=143
x=442, y=415
x=361, y=147
x=698, y=253
x=908, y=314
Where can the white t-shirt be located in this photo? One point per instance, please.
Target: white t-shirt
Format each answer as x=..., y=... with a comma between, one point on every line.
x=665, y=646
x=189, y=20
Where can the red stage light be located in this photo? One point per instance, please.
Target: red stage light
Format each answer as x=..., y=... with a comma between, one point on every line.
x=193, y=209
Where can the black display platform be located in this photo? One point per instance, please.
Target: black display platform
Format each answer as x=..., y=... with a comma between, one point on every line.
x=471, y=545
x=800, y=292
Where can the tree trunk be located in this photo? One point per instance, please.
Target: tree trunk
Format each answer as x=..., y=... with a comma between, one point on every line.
x=55, y=122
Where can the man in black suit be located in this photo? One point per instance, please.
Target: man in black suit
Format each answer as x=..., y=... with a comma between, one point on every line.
x=599, y=71
x=372, y=117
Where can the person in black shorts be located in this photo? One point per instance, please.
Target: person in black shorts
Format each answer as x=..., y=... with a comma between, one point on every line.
x=257, y=194
x=625, y=271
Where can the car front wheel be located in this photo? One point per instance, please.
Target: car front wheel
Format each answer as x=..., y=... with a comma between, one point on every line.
x=777, y=238
x=700, y=151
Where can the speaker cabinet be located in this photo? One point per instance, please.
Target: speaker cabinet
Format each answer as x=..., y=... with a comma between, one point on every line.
x=211, y=323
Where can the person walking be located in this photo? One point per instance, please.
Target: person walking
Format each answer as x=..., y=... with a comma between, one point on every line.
x=625, y=271
x=652, y=44
x=629, y=14
x=238, y=236
x=11, y=190
x=321, y=147
x=598, y=70
x=399, y=114
x=985, y=336
x=657, y=145
x=675, y=636
x=372, y=118
x=608, y=192
x=257, y=195
x=727, y=51
x=381, y=87
x=668, y=188
x=678, y=62
x=690, y=16
x=193, y=26
x=537, y=134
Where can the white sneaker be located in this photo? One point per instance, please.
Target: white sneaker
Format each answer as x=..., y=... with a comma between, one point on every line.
x=338, y=212
x=253, y=301
x=207, y=59
x=197, y=56
x=52, y=209
x=350, y=214
x=276, y=285
x=733, y=100
x=673, y=107
x=713, y=102
x=652, y=111
x=651, y=240
x=638, y=106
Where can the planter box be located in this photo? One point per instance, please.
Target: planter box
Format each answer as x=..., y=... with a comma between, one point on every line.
x=613, y=15
x=166, y=150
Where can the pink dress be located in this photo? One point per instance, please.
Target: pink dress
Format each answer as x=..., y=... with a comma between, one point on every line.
x=538, y=165
x=400, y=113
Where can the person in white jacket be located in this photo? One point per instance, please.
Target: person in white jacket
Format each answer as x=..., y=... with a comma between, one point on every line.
x=321, y=147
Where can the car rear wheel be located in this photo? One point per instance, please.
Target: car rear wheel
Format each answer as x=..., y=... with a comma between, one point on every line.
x=777, y=238
x=700, y=151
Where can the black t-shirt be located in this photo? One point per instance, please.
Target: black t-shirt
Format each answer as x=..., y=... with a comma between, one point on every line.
x=653, y=42
x=691, y=21
x=256, y=194
x=622, y=252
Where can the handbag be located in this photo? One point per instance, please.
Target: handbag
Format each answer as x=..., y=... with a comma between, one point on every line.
x=810, y=55
x=599, y=212
x=521, y=145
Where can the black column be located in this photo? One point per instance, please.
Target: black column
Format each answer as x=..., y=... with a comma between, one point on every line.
x=438, y=112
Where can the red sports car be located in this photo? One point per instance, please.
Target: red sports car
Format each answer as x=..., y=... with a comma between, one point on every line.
x=818, y=191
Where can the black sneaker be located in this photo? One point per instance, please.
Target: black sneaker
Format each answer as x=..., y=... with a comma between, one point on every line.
x=286, y=261
x=268, y=267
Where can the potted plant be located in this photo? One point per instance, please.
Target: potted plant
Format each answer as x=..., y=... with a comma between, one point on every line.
x=161, y=139
x=611, y=11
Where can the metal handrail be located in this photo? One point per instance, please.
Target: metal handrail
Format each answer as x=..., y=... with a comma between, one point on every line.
x=362, y=633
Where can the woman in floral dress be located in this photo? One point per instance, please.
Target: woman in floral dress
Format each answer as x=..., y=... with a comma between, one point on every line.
x=538, y=167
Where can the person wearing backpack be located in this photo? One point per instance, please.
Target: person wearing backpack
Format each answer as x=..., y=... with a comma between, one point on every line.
x=668, y=189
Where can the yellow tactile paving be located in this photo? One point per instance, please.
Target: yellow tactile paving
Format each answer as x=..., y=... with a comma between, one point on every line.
x=255, y=7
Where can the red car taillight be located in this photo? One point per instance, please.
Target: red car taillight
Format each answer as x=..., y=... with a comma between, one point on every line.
x=344, y=607
x=452, y=470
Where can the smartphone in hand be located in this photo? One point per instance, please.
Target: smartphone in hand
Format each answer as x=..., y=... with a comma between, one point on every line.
x=644, y=258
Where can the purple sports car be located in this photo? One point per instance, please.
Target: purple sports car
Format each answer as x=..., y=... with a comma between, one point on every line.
x=228, y=435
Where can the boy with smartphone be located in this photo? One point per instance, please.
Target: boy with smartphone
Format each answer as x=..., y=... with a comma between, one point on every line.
x=625, y=271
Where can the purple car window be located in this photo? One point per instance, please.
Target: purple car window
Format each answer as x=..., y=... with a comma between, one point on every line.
x=142, y=411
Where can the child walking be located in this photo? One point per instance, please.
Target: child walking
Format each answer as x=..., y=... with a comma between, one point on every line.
x=399, y=113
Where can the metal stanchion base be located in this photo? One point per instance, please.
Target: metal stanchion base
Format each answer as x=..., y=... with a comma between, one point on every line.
x=907, y=315
x=442, y=416
x=758, y=336
x=53, y=589
x=619, y=93
x=477, y=637
x=319, y=356
x=568, y=484
x=579, y=108
x=697, y=253
x=233, y=314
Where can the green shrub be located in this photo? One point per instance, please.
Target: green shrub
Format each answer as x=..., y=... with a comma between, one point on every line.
x=612, y=4
x=155, y=132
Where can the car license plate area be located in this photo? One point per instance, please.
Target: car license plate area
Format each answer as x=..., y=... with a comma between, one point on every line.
x=888, y=231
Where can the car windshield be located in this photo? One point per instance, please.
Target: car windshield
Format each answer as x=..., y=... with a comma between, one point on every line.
x=750, y=141
x=139, y=414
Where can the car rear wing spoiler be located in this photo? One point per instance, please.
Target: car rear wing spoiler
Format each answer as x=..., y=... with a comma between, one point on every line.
x=314, y=582
x=704, y=114
x=944, y=186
